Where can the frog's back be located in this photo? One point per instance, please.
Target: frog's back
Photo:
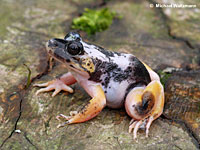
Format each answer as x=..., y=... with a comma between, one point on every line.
x=118, y=73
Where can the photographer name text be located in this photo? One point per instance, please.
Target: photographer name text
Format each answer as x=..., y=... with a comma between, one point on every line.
x=173, y=6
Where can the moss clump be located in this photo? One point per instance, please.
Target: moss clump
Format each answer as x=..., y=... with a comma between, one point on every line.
x=93, y=21
x=164, y=76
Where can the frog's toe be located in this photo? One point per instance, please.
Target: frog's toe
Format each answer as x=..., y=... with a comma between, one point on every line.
x=150, y=120
x=56, y=85
x=41, y=84
x=136, y=125
x=132, y=126
x=61, y=116
x=49, y=88
x=56, y=92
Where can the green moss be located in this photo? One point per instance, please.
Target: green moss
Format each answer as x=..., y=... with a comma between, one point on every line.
x=164, y=76
x=93, y=21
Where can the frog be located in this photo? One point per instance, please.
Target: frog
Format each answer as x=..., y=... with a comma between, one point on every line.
x=111, y=78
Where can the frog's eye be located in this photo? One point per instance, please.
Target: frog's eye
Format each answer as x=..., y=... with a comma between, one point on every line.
x=75, y=48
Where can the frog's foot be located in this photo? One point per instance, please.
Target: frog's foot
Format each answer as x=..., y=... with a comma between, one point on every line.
x=56, y=85
x=135, y=125
x=96, y=104
x=63, y=117
x=144, y=105
x=143, y=124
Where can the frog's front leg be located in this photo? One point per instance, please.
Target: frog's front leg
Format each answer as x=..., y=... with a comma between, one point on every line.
x=145, y=104
x=58, y=84
x=96, y=104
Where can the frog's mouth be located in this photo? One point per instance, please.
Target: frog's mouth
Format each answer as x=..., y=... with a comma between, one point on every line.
x=56, y=48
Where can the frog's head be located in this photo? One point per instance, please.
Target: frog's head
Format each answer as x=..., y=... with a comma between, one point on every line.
x=70, y=51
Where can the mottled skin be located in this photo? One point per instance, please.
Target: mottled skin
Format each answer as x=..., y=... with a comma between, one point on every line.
x=118, y=73
x=112, y=79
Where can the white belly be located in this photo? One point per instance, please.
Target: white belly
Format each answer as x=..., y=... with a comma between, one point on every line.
x=115, y=94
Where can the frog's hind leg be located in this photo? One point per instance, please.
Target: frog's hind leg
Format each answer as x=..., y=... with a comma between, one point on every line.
x=145, y=104
x=58, y=84
x=96, y=104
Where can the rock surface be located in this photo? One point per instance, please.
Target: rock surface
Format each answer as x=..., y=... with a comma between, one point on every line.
x=158, y=36
x=183, y=92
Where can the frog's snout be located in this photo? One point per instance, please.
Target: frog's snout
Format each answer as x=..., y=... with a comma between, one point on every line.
x=52, y=43
x=55, y=43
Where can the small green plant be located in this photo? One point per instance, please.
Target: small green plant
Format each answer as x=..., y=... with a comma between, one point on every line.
x=28, y=82
x=164, y=76
x=93, y=21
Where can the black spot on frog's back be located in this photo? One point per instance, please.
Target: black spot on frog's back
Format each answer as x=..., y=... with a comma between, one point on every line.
x=140, y=73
